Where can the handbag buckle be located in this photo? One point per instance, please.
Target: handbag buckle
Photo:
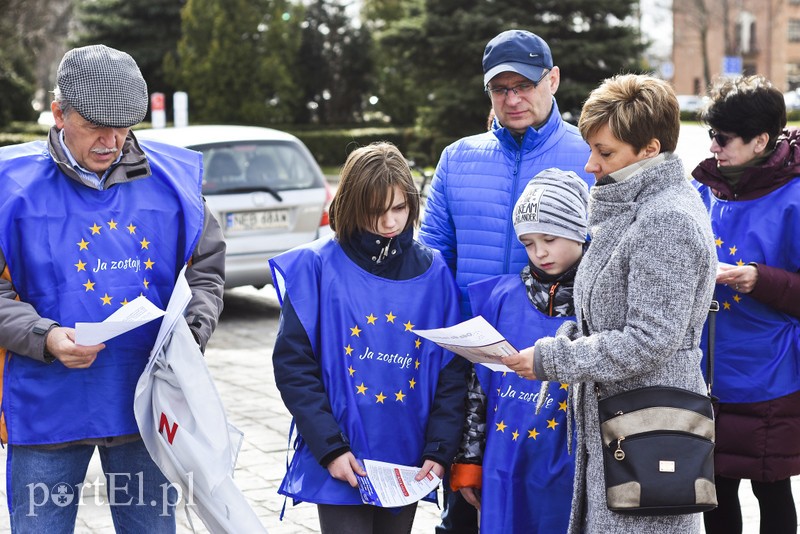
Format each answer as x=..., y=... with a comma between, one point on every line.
x=619, y=454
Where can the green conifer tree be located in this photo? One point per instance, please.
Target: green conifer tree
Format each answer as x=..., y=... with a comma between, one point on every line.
x=232, y=60
x=146, y=29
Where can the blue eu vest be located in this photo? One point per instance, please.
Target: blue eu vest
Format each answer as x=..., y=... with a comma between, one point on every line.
x=757, y=354
x=77, y=254
x=380, y=376
x=527, y=471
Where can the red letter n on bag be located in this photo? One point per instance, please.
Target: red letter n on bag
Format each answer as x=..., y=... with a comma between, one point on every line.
x=163, y=425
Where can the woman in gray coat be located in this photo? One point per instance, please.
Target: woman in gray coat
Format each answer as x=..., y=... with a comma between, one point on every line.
x=643, y=289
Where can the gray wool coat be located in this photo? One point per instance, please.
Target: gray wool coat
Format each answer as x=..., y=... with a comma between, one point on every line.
x=644, y=288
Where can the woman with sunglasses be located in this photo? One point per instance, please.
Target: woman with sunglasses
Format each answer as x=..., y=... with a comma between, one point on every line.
x=753, y=198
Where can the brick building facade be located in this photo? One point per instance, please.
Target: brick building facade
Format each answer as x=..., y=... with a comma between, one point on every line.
x=763, y=36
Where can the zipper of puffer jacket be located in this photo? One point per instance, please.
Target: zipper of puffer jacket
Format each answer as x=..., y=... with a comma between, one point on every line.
x=511, y=235
x=553, y=297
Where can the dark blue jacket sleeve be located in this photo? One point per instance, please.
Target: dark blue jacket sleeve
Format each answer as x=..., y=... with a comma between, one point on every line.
x=446, y=421
x=299, y=380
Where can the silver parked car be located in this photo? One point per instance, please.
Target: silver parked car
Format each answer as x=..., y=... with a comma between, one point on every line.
x=263, y=186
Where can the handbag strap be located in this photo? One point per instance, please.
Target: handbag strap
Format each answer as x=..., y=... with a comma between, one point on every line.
x=711, y=333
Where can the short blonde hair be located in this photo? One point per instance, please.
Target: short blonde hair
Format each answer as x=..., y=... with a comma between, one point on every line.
x=367, y=179
x=637, y=108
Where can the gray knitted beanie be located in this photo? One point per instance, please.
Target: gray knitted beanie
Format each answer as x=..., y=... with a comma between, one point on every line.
x=554, y=203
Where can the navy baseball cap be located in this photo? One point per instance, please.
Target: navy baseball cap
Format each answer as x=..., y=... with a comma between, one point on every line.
x=517, y=51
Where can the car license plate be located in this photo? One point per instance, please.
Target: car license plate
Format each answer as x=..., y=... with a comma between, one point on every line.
x=257, y=220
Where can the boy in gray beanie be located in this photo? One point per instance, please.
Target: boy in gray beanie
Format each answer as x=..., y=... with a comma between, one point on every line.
x=550, y=221
x=553, y=202
x=511, y=452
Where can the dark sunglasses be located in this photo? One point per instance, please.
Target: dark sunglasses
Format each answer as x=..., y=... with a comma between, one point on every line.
x=720, y=138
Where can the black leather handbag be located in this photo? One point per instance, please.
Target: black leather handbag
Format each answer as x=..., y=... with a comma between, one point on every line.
x=658, y=447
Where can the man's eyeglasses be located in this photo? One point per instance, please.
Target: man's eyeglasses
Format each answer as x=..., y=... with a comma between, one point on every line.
x=522, y=89
x=721, y=138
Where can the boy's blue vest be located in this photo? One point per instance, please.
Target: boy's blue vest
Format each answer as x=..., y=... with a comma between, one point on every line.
x=527, y=471
x=77, y=254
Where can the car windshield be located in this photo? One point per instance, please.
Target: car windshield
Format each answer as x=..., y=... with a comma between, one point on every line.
x=244, y=167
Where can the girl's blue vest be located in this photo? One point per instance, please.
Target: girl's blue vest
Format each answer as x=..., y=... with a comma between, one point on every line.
x=379, y=375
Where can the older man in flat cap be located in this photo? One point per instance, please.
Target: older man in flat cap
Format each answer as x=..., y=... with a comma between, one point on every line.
x=90, y=220
x=479, y=179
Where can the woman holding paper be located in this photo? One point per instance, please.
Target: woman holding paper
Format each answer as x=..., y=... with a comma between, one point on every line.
x=359, y=382
x=750, y=188
x=642, y=290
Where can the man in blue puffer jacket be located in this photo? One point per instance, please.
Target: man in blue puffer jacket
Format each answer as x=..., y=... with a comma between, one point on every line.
x=479, y=179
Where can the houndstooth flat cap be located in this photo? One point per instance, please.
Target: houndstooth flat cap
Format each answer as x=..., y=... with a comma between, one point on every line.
x=104, y=85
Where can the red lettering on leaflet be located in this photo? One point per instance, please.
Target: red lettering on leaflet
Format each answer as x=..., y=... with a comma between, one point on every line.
x=400, y=482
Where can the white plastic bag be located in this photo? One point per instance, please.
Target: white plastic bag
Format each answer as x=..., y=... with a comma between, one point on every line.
x=183, y=424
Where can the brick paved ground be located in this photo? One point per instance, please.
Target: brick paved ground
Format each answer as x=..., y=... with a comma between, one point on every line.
x=246, y=384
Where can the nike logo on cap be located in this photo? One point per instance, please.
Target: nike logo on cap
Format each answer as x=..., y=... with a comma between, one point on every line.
x=531, y=54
